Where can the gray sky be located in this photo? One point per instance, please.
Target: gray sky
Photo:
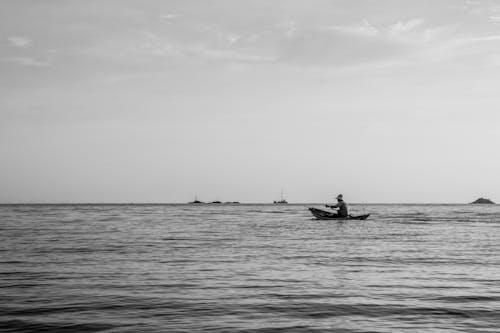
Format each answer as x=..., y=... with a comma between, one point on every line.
x=159, y=101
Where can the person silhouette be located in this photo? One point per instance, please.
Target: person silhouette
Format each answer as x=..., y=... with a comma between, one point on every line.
x=341, y=206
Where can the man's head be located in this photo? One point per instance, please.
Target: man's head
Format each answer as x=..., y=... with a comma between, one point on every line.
x=339, y=197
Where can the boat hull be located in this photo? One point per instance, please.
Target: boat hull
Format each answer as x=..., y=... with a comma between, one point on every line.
x=324, y=215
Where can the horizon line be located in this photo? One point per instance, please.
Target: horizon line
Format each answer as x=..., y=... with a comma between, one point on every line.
x=231, y=203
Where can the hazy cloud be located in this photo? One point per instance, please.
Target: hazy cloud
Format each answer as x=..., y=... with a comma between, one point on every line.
x=170, y=16
x=485, y=39
x=288, y=27
x=157, y=45
x=19, y=41
x=364, y=29
x=406, y=26
x=414, y=31
x=337, y=47
x=26, y=61
x=225, y=54
x=470, y=40
x=229, y=38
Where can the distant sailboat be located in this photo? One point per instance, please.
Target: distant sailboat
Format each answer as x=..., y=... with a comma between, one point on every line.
x=196, y=201
x=281, y=201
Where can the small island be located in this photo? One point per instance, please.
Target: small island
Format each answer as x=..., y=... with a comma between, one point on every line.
x=483, y=201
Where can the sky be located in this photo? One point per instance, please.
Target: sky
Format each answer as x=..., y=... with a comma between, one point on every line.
x=161, y=101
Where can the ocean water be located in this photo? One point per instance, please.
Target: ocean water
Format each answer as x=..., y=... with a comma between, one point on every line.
x=248, y=268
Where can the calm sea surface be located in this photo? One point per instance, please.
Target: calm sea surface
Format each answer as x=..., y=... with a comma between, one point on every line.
x=248, y=268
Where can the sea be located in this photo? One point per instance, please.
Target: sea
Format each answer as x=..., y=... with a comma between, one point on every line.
x=249, y=268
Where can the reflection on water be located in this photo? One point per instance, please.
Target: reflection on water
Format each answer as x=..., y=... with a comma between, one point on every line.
x=179, y=268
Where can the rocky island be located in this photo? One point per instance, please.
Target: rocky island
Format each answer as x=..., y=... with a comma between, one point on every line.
x=483, y=201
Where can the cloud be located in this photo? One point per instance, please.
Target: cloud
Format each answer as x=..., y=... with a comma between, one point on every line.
x=170, y=16
x=289, y=28
x=415, y=32
x=155, y=45
x=338, y=46
x=403, y=27
x=19, y=41
x=288, y=42
x=481, y=39
x=343, y=45
x=485, y=39
x=365, y=44
x=224, y=46
x=231, y=38
x=364, y=29
x=26, y=61
x=226, y=54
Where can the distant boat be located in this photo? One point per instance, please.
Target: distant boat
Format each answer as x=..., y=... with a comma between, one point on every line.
x=281, y=201
x=216, y=202
x=195, y=201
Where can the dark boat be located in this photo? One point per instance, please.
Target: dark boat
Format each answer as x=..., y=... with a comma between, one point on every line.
x=195, y=202
x=281, y=201
x=324, y=215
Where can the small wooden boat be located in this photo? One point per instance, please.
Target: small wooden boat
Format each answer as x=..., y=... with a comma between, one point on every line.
x=324, y=215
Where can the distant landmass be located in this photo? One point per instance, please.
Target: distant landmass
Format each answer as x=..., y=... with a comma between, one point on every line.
x=483, y=201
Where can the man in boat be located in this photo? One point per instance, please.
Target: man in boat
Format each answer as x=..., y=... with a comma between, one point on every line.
x=341, y=206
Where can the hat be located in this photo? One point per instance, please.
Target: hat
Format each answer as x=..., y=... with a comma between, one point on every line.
x=339, y=196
